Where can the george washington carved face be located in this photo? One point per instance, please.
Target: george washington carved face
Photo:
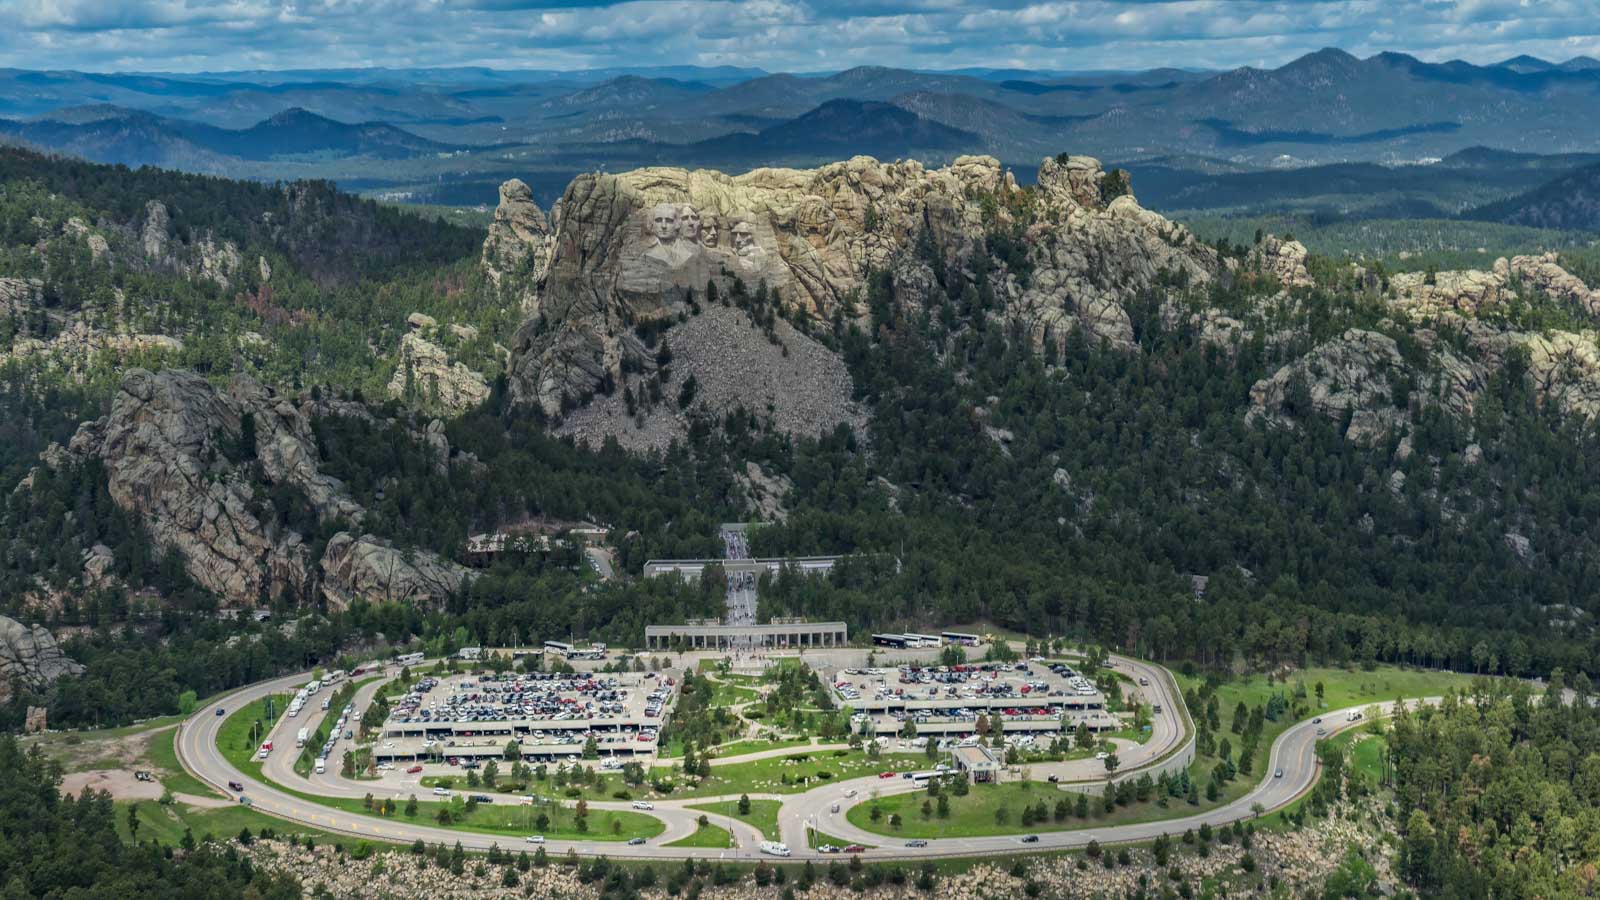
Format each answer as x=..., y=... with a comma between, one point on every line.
x=664, y=222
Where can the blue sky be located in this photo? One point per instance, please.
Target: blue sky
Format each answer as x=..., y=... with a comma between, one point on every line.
x=778, y=35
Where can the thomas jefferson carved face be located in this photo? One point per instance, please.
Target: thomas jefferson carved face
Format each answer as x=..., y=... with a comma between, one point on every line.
x=664, y=222
x=708, y=233
x=689, y=224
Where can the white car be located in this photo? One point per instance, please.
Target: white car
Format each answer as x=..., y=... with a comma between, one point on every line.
x=643, y=804
x=441, y=792
x=535, y=839
x=850, y=792
x=1101, y=755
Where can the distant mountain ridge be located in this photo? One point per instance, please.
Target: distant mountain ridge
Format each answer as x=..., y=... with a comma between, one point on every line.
x=132, y=137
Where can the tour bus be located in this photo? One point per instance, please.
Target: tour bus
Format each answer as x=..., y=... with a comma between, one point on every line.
x=408, y=659
x=596, y=650
x=559, y=647
x=921, y=779
x=922, y=640
x=958, y=639
x=898, y=641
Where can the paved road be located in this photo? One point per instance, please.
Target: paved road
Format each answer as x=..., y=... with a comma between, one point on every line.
x=1293, y=752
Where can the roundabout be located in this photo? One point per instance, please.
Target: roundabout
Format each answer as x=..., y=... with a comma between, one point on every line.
x=324, y=801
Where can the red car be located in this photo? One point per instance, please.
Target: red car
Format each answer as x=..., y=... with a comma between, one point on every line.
x=413, y=770
x=855, y=848
x=885, y=774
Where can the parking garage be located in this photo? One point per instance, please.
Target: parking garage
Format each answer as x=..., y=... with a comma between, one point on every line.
x=946, y=701
x=550, y=717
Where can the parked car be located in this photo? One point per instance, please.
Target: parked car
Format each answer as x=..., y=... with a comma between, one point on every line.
x=828, y=848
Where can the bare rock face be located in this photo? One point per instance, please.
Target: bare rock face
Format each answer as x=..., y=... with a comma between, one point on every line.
x=154, y=235
x=18, y=295
x=1450, y=295
x=1545, y=274
x=426, y=374
x=30, y=658
x=1565, y=369
x=373, y=568
x=217, y=261
x=166, y=446
x=1284, y=260
x=516, y=254
x=629, y=247
x=173, y=450
x=1361, y=377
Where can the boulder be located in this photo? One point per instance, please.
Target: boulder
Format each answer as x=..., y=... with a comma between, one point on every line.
x=372, y=568
x=30, y=659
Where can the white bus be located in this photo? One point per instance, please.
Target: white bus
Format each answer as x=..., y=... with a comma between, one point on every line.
x=560, y=647
x=408, y=659
x=959, y=639
x=331, y=677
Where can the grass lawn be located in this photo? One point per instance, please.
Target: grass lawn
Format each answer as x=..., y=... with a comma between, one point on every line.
x=163, y=758
x=165, y=824
x=242, y=732
x=815, y=839
x=802, y=771
x=731, y=695
x=708, y=836
x=763, y=813
x=970, y=816
x=561, y=822
x=739, y=748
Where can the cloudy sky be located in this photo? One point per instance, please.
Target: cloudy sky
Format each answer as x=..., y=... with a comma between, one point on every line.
x=777, y=35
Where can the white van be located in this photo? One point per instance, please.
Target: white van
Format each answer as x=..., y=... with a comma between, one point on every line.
x=322, y=767
x=774, y=848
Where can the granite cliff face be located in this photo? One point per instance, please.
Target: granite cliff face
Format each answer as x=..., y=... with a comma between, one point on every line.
x=516, y=254
x=1363, y=380
x=631, y=248
x=193, y=462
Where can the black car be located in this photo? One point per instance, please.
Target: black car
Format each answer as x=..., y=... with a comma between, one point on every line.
x=1030, y=839
x=235, y=786
x=481, y=798
x=634, y=842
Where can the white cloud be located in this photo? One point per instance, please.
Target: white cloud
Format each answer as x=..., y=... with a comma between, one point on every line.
x=175, y=35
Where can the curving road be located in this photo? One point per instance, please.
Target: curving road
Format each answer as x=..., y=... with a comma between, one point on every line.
x=1293, y=752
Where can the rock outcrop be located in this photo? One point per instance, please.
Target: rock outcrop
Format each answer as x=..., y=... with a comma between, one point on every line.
x=630, y=247
x=425, y=374
x=178, y=454
x=516, y=253
x=1361, y=380
x=1283, y=260
x=373, y=568
x=30, y=659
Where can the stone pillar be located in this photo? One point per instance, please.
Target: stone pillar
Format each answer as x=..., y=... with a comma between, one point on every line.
x=36, y=720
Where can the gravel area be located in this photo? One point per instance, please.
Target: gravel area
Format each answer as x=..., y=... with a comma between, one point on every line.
x=801, y=386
